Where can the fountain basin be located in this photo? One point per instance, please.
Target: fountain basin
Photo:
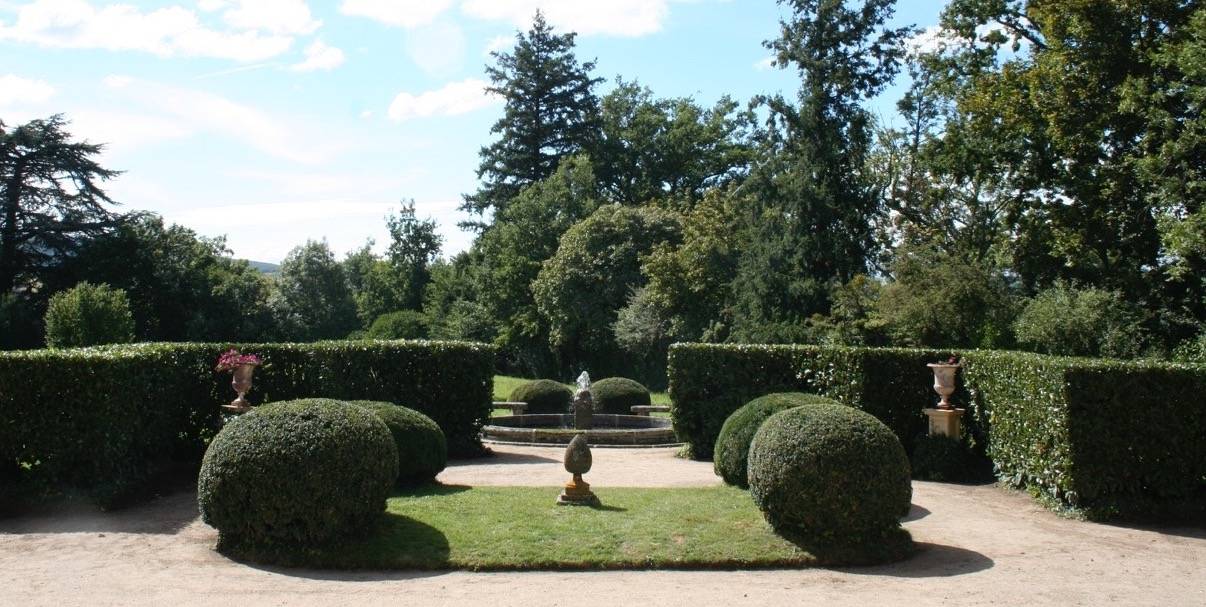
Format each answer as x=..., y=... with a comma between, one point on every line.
x=558, y=429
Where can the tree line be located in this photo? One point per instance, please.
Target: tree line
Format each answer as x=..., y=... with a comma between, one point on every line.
x=1040, y=187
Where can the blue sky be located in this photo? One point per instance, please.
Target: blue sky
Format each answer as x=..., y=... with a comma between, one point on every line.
x=274, y=121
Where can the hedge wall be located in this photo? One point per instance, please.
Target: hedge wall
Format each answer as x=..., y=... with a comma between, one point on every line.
x=101, y=419
x=1105, y=437
x=710, y=381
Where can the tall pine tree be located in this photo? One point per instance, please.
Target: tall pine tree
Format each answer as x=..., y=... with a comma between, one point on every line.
x=551, y=112
x=814, y=217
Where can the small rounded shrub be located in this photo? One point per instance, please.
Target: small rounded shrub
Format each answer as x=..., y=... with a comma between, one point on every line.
x=422, y=448
x=948, y=460
x=296, y=473
x=403, y=324
x=89, y=315
x=731, y=454
x=544, y=396
x=835, y=481
x=618, y=395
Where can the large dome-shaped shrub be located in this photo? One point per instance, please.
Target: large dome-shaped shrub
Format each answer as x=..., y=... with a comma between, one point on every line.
x=833, y=479
x=618, y=395
x=422, y=448
x=544, y=396
x=731, y=454
x=296, y=473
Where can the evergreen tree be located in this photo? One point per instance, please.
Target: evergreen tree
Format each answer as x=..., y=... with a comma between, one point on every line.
x=551, y=112
x=413, y=247
x=50, y=198
x=816, y=206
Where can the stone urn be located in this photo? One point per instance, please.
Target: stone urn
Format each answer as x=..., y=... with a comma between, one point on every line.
x=945, y=418
x=944, y=382
x=241, y=383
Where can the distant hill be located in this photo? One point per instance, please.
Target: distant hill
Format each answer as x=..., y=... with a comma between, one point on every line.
x=265, y=267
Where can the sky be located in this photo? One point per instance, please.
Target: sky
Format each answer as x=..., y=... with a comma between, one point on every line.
x=276, y=121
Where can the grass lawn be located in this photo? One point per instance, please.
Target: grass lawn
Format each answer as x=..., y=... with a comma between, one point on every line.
x=520, y=528
x=504, y=384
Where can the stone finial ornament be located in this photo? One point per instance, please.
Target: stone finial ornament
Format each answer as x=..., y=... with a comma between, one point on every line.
x=578, y=462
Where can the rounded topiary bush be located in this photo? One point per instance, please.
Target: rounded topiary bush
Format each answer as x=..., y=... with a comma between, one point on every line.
x=618, y=395
x=296, y=473
x=422, y=448
x=834, y=480
x=731, y=454
x=544, y=396
x=88, y=315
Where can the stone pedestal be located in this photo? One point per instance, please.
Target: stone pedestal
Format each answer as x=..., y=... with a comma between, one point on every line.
x=577, y=493
x=945, y=422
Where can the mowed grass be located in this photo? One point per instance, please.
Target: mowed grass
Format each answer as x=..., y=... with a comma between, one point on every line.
x=440, y=527
x=505, y=384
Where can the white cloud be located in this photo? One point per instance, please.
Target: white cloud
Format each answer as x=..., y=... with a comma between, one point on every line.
x=453, y=99
x=165, y=32
x=587, y=17
x=319, y=56
x=16, y=90
x=764, y=64
x=183, y=111
x=275, y=16
x=400, y=13
x=438, y=49
x=498, y=44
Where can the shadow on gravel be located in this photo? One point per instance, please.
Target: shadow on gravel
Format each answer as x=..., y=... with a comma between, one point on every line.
x=167, y=514
x=915, y=513
x=931, y=560
x=502, y=457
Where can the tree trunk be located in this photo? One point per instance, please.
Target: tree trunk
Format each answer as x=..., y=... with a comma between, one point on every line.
x=8, y=233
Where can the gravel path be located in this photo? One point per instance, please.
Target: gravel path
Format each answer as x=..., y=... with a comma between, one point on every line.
x=981, y=546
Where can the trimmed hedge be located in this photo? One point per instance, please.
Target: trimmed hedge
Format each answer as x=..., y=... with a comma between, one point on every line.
x=102, y=419
x=834, y=480
x=1109, y=438
x=708, y=382
x=618, y=395
x=296, y=473
x=422, y=449
x=733, y=443
x=544, y=396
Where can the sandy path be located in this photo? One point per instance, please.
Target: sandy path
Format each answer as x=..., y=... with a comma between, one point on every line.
x=983, y=545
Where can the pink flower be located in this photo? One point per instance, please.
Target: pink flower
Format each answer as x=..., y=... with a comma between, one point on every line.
x=231, y=360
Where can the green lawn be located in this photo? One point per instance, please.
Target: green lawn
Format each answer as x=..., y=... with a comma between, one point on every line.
x=520, y=528
x=504, y=384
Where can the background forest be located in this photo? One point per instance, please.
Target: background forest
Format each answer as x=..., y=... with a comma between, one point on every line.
x=1040, y=189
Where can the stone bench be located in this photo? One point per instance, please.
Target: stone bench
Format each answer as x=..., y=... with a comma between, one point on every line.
x=647, y=409
x=517, y=408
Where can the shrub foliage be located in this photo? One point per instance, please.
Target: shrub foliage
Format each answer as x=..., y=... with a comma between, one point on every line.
x=618, y=395
x=297, y=473
x=733, y=443
x=101, y=419
x=831, y=478
x=89, y=315
x=422, y=449
x=544, y=396
x=1106, y=437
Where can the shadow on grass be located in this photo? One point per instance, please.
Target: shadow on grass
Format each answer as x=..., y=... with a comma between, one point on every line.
x=394, y=542
x=429, y=489
x=931, y=560
x=916, y=513
x=606, y=508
